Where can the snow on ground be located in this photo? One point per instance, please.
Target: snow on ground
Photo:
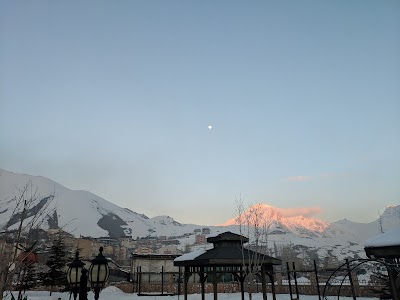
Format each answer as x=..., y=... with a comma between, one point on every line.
x=113, y=293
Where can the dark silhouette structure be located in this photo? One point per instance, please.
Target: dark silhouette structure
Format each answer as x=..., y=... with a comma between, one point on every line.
x=228, y=256
x=386, y=248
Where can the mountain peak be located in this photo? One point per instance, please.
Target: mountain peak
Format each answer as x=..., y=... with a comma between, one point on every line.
x=291, y=219
x=392, y=210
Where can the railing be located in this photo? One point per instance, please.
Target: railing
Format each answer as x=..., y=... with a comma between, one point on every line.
x=342, y=280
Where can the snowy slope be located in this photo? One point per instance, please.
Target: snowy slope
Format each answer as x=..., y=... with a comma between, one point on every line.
x=390, y=219
x=83, y=213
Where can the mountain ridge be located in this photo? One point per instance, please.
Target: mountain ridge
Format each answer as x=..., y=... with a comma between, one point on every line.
x=97, y=217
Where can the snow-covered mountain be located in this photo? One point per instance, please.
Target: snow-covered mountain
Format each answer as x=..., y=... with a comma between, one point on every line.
x=85, y=214
x=80, y=212
x=388, y=220
x=281, y=221
x=311, y=237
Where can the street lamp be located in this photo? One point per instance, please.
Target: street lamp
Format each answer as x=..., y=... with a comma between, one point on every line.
x=98, y=273
x=74, y=274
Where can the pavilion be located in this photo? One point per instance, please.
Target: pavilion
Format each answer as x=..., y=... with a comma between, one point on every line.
x=386, y=247
x=228, y=256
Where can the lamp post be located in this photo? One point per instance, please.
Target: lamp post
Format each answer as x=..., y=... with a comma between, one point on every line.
x=74, y=274
x=77, y=275
x=98, y=273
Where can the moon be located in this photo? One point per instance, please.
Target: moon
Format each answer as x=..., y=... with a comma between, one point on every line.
x=209, y=127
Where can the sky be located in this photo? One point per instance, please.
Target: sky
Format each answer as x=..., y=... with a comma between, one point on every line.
x=117, y=98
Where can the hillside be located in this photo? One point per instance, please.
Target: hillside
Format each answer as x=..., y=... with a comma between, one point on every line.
x=83, y=213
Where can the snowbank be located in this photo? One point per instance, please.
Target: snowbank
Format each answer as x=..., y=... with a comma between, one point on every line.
x=390, y=238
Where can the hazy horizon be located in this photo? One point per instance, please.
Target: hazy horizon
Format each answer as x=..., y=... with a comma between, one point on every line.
x=312, y=212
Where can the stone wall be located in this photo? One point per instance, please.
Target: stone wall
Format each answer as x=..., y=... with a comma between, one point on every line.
x=126, y=287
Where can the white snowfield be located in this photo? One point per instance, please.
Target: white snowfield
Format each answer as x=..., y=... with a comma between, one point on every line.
x=390, y=238
x=113, y=293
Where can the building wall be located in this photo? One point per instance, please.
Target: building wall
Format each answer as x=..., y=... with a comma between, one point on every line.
x=153, y=263
x=126, y=242
x=200, y=239
x=88, y=249
x=141, y=249
x=169, y=249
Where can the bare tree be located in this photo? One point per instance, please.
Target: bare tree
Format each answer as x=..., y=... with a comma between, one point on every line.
x=380, y=223
x=29, y=211
x=254, y=222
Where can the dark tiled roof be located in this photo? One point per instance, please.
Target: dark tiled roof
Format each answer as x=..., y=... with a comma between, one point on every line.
x=227, y=236
x=227, y=251
x=383, y=252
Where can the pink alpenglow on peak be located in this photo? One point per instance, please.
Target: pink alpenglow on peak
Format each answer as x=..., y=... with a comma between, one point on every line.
x=301, y=217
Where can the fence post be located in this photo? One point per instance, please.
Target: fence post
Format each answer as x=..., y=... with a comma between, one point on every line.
x=316, y=279
x=351, y=279
x=136, y=281
x=162, y=280
x=139, y=279
x=179, y=280
x=290, y=284
x=273, y=290
x=295, y=280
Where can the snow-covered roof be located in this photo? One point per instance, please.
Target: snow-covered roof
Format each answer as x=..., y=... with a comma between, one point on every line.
x=390, y=238
x=191, y=255
x=218, y=233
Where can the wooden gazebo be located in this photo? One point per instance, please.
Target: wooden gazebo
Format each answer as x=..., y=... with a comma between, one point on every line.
x=386, y=247
x=228, y=256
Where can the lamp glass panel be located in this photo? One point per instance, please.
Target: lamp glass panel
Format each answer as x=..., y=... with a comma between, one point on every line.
x=103, y=273
x=74, y=275
x=98, y=273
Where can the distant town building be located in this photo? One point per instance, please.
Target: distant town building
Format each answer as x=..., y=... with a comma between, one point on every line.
x=88, y=248
x=153, y=263
x=200, y=239
x=169, y=249
x=108, y=241
x=170, y=242
x=206, y=230
x=143, y=250
x=126, y=242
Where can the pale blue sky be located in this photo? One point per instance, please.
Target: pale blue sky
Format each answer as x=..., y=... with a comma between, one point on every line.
x=115, y=97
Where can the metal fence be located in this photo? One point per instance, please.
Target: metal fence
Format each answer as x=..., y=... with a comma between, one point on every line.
x=322, y=282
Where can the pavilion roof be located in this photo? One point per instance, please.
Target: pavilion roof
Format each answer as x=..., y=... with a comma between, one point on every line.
x=227, y=251
x=385, y=245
